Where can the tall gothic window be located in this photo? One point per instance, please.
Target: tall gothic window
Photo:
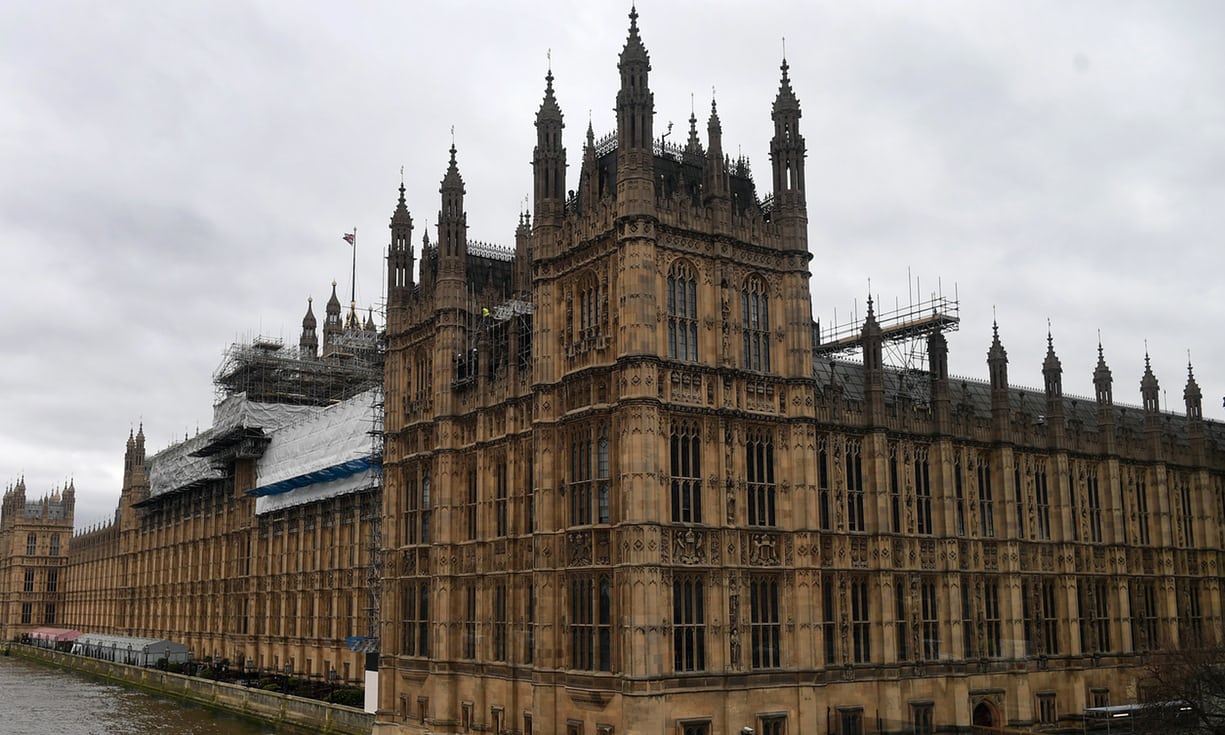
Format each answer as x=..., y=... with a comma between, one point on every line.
x=591, y=626
x=31, y=544
x=854, y=488
x=991, y=614
x=759, y=460
x=1042, y=503
x=895, y=492
x=1190, y=614
x=1095, y=508
x=499, y=621
x=470, y=620
x=1019, y=496
x=686, y=470
x=682, y=312
x=470, y=502
x=589, y=306
x=589, y=473
x=861, y=643
x=764, y=622
x=1144, y=631
x=1142, y=511
x=900, y=619
x=1092, y=599
x=500, y=499
x=986, y=505
x=1049, y=618
x=823, y=485
x=1072, y=490
x=828, y=632
x=923, y=493
x=929, y=620
x=755, y=321
x=415, y=639
x=1186, y=519
x=959, y=493
x=688, y=624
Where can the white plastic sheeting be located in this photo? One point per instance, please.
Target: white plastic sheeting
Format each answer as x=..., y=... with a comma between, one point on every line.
x=130, y=650
x=174, y=467
x=323, y=456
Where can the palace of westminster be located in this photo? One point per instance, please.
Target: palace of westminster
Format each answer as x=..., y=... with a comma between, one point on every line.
x=611, y=480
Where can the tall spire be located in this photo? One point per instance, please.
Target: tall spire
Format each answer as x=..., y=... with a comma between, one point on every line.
x=1052, y=369
x=1150, y=391
x=549, y=157
x=400, y=251
x=873, y=367
x=331, y=323
x=1192, y=396
x=997, y=366
x=1103, y=383
x=308, y=343
x=997, y=360
x=717, y=184
x=693, y=146
x=635, y=103
x=1052, y=373
x=452, y=220
x=787, y=149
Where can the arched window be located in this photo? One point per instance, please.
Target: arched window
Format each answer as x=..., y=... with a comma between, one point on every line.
x=589, y=308
x=759, y=466
x=590, y=493
x=755, y=324
x=686, y=471
x=682, y=312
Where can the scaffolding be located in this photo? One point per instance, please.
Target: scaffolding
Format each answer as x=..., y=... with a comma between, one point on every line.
x=267, y=371
x=904, y=332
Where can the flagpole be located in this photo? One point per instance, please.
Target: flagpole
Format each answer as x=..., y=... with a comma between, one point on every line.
x=353, y=273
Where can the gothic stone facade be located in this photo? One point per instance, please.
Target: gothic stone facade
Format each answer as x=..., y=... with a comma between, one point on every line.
x=279, y=591
x=33, y=550
x=641, y=505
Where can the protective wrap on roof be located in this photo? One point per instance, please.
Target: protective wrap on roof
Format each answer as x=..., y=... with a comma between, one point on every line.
x=175, y=467
x=323, y=456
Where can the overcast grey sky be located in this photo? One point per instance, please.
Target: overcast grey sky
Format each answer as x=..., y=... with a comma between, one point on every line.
x=176, y=176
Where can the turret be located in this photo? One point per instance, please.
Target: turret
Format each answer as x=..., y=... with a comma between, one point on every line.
x=873, y=368
x=452, y=225
x=717, y=186
x=549, y=158
x=787, y=151
x=1192, y=396
x=523, y=257
x=308, y=343
x=588, y=185
x=1103, y=389
x=938, y=360
x=1052, y=375
x=635, y=121
x=997, y=367
x=694, y=153
x=400, y=254
x=332, y=326
x=1150, y=395
x=1195, y=415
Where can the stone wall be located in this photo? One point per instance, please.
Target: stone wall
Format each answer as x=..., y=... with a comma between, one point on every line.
x=272, y=707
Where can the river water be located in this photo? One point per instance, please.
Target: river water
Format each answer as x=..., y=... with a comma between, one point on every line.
x=39, y=699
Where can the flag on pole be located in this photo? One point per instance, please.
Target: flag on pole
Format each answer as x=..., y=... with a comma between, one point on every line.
x=350, y=237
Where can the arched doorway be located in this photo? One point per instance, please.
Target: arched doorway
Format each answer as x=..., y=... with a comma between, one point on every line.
x=985, y=718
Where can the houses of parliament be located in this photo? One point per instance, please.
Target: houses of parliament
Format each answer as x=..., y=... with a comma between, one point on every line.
x=619, y=483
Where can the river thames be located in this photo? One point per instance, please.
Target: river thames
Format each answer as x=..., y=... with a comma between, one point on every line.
x=36, y=699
